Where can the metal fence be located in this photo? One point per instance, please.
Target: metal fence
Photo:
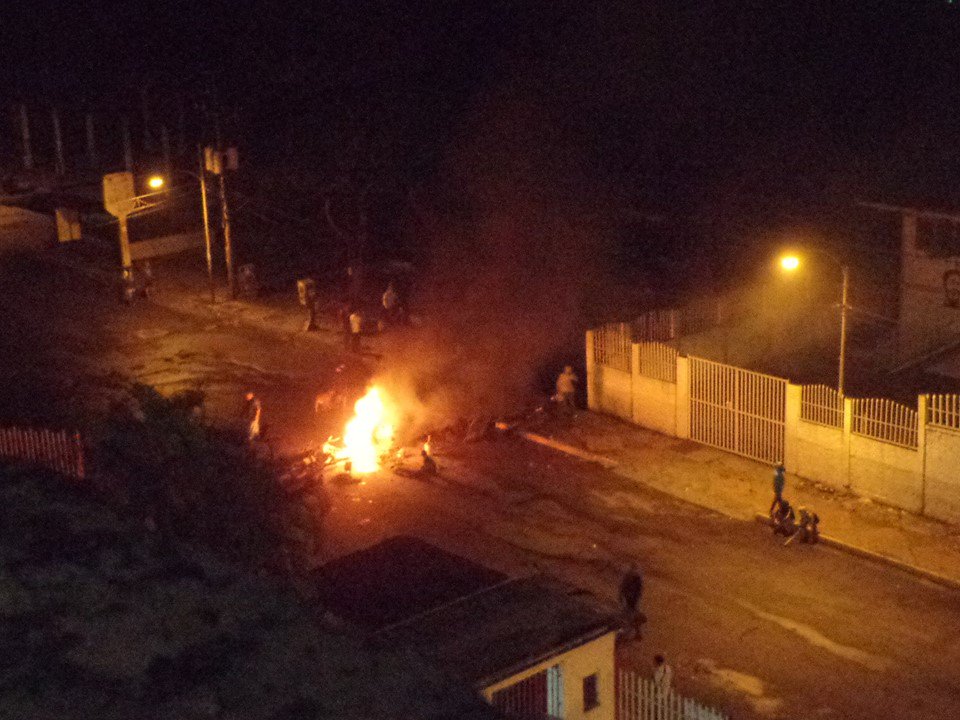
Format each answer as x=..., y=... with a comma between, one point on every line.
x=944, y=411
x=640, y=699
x=737, y=410
x=612, y=346
x=537, y=697
x=698, y=316
x=821, y=404
x=658, y=361
x=60, y=451
x=885, y=420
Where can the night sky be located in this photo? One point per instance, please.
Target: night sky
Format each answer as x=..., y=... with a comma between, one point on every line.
x=705, y=110
x=687, y=97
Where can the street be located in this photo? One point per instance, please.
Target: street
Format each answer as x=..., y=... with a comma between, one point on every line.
x=759, y=629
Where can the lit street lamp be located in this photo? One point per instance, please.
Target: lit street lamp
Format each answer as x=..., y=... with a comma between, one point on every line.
x=790, y=263
x=155, y=182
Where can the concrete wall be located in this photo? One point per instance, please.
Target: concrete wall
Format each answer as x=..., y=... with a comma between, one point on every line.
x=942, y=476
x=888, y=473
x=655, y=404
x=654, y=401
x=925, y=479
x=597, y=657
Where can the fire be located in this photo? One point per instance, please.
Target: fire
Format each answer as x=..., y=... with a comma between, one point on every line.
x=367, y=437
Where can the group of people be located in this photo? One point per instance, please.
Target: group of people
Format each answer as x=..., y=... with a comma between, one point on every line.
x=801, y=524
x=631, y=591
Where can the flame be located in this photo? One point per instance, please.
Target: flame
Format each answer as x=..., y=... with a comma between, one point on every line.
x=367, y=437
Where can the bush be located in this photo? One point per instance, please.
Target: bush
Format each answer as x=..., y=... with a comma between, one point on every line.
x=200, y=483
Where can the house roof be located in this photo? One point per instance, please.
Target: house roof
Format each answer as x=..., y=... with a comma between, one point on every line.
x=470, y=620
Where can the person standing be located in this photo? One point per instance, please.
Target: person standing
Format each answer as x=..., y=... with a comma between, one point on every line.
x=778, y=483
x=567, y=388
x=631, y=590
x=356, y=328
x=253, y=412
x=391, y=304
x=662, y=676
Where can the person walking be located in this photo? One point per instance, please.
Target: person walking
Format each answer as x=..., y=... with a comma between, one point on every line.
x=567, y=388
x=778, y=483
x=631, y=590
x=253, y=412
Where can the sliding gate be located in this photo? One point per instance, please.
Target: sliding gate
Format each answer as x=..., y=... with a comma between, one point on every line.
x=737, y=410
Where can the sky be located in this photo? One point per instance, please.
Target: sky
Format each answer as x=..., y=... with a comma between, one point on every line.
x=693, y=97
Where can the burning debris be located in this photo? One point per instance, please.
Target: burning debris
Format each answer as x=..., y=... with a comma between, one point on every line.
x=367, y=438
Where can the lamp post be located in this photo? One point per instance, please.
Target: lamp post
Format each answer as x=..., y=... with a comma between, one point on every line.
x=790, y=263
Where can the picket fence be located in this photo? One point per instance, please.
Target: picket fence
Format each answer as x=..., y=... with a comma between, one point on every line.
x=60, y=450
x=640, y=699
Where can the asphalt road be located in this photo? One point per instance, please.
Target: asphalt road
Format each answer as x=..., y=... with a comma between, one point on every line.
x=761, y=630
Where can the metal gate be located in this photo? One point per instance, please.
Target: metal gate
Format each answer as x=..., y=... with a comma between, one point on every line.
x=737, y=410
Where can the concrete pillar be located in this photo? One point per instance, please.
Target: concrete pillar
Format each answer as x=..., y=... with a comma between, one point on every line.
x=591, y=372
x=922, y=450
x=791, y=419
x=683, y=397
x=635, y=398
x=847, y=431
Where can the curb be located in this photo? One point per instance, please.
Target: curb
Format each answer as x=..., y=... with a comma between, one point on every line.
x=879, y=558
x=565, y=448
x=929, y=575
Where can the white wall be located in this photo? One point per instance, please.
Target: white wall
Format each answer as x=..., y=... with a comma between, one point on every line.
x=925, y=479
x=942, y=474
x=885, y=472
x=613, y=392
x=655, y=404
x=596, y=656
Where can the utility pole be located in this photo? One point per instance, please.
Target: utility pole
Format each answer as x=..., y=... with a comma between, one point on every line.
x=91, y=142
x=227, y=245
x=206, y=226
x=127, y=146
x=25, y=135
x=61, y=165
x=843, y=326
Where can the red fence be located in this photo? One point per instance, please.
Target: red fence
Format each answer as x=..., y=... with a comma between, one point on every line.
x=60, y=450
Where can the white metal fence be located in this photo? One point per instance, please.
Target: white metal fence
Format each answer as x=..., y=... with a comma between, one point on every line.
x=612, y=346
x=944, y=411
x=885, y=420
x=640, y=699
x=821, y=404
x=57, y=450
x=737, y=410
x=658, y=361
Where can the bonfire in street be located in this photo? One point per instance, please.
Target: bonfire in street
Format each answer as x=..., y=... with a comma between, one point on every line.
x=367, y=437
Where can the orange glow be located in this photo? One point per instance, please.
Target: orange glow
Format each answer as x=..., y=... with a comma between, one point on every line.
x=155, y=182
x=367, y=437
x=789, y=262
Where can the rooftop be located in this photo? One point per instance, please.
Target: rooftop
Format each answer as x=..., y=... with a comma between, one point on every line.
x=470, y=620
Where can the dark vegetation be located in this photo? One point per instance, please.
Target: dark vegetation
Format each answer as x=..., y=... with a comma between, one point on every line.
x=196, y=482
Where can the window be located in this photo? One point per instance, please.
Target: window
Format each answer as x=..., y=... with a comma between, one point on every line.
x=591, y=695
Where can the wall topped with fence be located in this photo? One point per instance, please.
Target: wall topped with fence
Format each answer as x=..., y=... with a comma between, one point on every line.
x=641, y=698
x=821, y=404
x=57, y=450
x=899, y=455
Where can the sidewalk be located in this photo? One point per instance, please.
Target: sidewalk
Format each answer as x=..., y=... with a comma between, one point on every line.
x=742, y=488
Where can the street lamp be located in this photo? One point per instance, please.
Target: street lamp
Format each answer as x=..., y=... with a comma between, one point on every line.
x=790, y=263
x=155, y=182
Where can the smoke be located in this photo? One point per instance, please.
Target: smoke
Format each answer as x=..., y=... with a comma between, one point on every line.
x=515, y=248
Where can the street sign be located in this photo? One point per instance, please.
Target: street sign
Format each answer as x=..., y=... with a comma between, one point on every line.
x=118, y=193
